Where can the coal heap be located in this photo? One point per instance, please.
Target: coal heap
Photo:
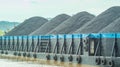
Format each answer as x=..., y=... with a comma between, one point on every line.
x=27, y=26
x=53, y=23
x=72, y=23
x=114, y=27
x=101, y=21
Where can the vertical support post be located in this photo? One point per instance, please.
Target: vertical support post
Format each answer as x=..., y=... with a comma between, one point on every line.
x=63, y=50
x=32, y=44
x=49, y=45
x=71, y=48
x=38, y=44
x=56, y=48
x=13, y=43
x=39, y=47
x=5, y=43
x=0, y=42
x=22, y=43
x=81, y=45
x=57, y=44
x=17, y=45
x=27, y=43
x=2, y=45
x=40, y=50
x=9, y=42
x=64, y=44
x=114, y=48
x=100, y=44
x=72, y=45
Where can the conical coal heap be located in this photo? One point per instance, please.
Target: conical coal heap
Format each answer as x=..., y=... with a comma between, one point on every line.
x=114, y=27
x=27, y=26
x=53, y=23
x=72, y=23
x=101, y=21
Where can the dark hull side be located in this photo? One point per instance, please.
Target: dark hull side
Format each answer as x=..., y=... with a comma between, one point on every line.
x=80, y=49
x=87, y=60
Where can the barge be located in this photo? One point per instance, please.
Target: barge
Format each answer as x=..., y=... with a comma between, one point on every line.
x=95, y=49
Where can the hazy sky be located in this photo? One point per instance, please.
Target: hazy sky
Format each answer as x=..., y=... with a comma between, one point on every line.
x=19, y=10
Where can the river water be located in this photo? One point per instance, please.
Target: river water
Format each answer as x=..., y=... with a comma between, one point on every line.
x=40, y=63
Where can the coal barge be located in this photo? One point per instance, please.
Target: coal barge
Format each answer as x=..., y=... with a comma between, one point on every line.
x=92, y=49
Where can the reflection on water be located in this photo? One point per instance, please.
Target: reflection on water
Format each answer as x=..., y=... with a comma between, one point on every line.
x=37, y=63
x=8, y=63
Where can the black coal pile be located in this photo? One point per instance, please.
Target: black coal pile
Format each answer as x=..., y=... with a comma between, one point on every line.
x=72, y=23
x=28, y=26
x=114, y=27
x=53, y=23
x=100, y=21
